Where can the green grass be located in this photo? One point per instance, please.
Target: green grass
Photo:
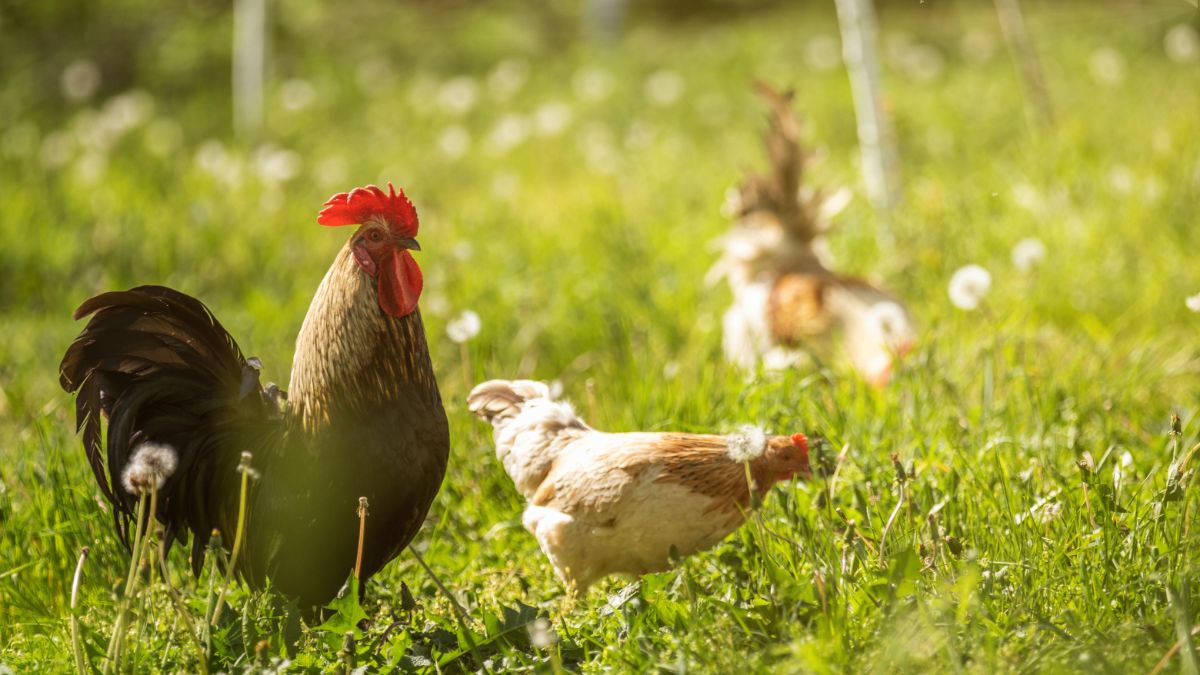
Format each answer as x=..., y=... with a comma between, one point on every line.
x=584, y=252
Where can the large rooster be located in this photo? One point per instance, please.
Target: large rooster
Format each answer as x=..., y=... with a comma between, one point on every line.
x=787, y=296
x=363, y=418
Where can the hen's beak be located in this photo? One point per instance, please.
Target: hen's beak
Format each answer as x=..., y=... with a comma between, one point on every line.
x=410, y=244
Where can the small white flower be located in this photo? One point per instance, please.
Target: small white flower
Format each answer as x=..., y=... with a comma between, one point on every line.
x=79, y=80
x=968, y=287
x=510, y=131
x=1182, y=44
x=454, y=142
x=297, y=94
x=1121, y=179
x=664, y=87
x=276, y=165
x=552, y=118
x=541, y=634
x=458, y=95
x=507, y=78
x=1028, y=253
x=464, y=327
x=1193, y=302
x=749, y=442
x=1107, y=66
x=151, y=466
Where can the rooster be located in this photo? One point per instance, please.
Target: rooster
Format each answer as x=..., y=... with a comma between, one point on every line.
x=363, y=417
x=608, y=503
x=786, y=295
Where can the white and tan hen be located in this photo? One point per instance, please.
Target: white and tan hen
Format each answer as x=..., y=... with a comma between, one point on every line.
x=609, y=503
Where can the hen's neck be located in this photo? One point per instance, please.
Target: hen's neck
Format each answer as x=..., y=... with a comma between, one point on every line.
x=349, y=353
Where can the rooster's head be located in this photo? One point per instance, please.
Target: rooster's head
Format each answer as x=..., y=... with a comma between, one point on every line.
x=387, y=232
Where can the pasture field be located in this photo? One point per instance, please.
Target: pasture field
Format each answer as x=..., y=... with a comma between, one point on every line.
x=1043, y=514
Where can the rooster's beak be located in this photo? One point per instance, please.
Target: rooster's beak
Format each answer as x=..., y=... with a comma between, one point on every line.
x=410, y=244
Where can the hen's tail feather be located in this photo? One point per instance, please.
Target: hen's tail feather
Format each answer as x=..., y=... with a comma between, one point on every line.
x=496, y=400
x=159, y=366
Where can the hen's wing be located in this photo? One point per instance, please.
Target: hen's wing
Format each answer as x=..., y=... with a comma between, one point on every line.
x=159, y=366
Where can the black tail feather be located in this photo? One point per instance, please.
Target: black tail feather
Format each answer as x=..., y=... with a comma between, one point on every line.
x=159, y=367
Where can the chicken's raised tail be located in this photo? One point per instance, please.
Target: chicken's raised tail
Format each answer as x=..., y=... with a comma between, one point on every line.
x=497, y=400
x=176, y=392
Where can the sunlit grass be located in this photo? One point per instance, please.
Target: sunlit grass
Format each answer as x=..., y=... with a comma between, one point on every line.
x=581, y=245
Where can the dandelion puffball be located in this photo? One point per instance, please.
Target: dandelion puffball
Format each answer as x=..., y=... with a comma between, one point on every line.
x=464, y=327
x=1193, y=302
x=151, y=466
x=968, y=287
x=1028, y=253
x=748, y=443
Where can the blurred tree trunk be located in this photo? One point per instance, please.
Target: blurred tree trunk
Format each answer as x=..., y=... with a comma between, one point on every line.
x=876, y=142
x=249, y=65
x=1020, y=45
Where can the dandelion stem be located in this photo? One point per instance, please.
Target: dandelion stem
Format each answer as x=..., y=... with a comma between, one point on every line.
x=362, y=535
x=244, y=469
x=181, y=608
x=81, y=664
x=114, y=643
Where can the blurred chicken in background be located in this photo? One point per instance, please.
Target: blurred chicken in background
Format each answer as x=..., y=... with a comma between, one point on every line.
x=786, y=298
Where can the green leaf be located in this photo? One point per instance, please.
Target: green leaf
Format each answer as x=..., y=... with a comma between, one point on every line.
x=347, y=612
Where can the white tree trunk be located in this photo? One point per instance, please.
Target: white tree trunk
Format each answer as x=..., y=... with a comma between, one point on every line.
x=879, y=160
x=1020, y=45
x=249, y=65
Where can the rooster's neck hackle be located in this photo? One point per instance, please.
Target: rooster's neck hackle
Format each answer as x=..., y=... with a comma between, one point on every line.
x=349, y=351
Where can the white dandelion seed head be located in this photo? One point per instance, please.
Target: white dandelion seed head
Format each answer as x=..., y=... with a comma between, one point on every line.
x=151, y=466
x=454, y=142
x=1182, y=44
x=79, y=80
x=1028, y=253
x=552, y=118
x=508, y=78
x=542, y=634
x=276, y=165
x=297, y=94
x=464, y=327
x=664, y=87
x=457, y=95
x=1107, y=66
x=1193, y=302
x=968, y=287
x=748, y=443
x=510, y=131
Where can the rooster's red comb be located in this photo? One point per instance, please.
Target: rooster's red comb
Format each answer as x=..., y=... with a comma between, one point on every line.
x=363, y=204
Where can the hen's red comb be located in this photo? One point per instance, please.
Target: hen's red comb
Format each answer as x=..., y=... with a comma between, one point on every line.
x=801, y=441
x=363, y=204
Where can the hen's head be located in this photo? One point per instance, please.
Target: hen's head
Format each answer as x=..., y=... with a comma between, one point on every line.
x=387, y=232
x=786, y=457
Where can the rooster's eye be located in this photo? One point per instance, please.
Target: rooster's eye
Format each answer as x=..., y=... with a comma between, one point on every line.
x=375, y=236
